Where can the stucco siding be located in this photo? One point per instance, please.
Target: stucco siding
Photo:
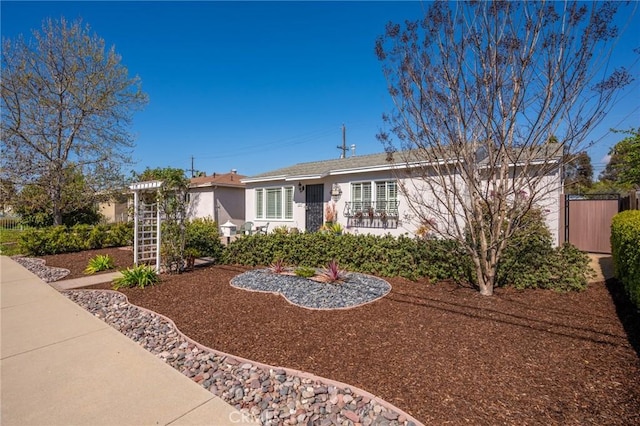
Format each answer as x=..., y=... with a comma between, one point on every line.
x=549, y=190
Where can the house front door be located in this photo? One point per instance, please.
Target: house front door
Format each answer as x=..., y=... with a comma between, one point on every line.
x=315, y=207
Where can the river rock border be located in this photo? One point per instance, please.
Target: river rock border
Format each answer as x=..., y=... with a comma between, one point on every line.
x=273, y=395
x=37, y=266
x=355, y=290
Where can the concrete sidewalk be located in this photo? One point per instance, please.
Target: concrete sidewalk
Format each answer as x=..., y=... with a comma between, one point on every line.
x=59, y=365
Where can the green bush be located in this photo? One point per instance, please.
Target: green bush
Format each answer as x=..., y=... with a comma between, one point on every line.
x=202, y=235
x=385, y=256
x=304, y=272
x=138, y=276
x=62, y=239
x=531, y=261
x=625, y=246
x=120, y=235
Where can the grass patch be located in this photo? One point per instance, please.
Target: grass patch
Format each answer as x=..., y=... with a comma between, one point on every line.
x=9, y=241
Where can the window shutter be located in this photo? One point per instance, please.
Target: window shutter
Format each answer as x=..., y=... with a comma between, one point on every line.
x=288, y=202
x=259, y=203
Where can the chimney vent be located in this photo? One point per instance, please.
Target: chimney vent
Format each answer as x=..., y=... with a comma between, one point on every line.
x=353, y=150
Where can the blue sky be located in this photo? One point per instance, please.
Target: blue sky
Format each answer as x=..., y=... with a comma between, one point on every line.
x=262, y=85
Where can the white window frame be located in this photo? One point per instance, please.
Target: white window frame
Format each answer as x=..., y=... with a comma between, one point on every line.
x=357, y=194
x=274, y=203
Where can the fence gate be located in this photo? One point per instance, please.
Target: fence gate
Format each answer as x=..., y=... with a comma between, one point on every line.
x=587, y=221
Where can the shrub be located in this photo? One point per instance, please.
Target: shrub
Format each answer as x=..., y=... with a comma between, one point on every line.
x=386, y=256
x=531, y=261
x=304, y=272
x=99, y=263
x=203, y=236
x=625, y=247
x=138, y=276
x=119, y=235
x=62, y=239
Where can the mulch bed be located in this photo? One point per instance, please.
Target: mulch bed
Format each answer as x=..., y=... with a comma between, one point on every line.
x=443, y=353
x=77, y=262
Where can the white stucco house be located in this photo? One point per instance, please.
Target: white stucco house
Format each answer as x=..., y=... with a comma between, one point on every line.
x=365, y=190
x=220, y=196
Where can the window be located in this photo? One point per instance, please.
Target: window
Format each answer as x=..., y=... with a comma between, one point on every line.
x=386, y=196
x=361, y=195
x=274, y=203
x=259, y=203
x=288, y=202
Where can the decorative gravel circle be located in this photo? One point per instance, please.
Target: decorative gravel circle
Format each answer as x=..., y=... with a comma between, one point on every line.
x=355, y=290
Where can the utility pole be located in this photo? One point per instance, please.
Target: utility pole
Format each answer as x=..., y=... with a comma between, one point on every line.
x=193, y=172
x=343, y=148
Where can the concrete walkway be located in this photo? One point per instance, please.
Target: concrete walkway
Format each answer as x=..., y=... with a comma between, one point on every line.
x=59, y=365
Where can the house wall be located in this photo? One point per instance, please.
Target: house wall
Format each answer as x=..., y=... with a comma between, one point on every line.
x=219, y=203
x=114, y=212
x=408, y=222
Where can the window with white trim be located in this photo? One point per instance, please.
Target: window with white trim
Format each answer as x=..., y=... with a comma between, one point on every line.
x=384, y=193
x=361, y=195
x=386, y=196
x=274, y=203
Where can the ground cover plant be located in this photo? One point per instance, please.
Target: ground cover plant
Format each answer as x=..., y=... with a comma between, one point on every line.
x=140, y=276
x=99, y=263
x=9, y=241
x=440, y=352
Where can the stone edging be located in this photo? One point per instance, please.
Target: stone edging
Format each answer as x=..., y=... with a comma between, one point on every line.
x=267, y=367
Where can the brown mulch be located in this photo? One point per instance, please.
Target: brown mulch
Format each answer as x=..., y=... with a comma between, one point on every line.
x=442, y=353
x=77, y=262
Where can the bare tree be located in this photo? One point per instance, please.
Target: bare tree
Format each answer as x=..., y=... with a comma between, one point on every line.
x=480, y=90
x=66, y=102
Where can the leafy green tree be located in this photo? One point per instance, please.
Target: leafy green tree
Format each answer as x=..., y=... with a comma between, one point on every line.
x=578, y=173
x=479, y=88
x=78, y=204
x=624, y=165
x=66, y=100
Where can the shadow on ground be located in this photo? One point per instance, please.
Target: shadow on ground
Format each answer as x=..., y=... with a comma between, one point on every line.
x=627, y=312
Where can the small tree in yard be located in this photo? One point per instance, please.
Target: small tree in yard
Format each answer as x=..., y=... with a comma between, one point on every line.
x=66, y=102
x=480, y=91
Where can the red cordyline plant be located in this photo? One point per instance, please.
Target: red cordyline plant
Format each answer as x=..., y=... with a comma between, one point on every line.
x=333, y=273
x=278, y=267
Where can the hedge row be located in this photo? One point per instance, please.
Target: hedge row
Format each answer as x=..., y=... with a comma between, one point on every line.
x=62, y=239
x=625, y=246
x=385, y=256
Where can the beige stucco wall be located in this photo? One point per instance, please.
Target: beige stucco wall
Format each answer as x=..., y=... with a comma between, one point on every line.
x=219, y=203
x=114, y=212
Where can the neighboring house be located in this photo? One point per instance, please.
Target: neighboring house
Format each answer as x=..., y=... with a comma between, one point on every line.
x=219, y=196
x=365, y=190
x=114, y=211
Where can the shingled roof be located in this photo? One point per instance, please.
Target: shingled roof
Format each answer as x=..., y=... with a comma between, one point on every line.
x=218, y=179
x=385, y=161
x=319, y=169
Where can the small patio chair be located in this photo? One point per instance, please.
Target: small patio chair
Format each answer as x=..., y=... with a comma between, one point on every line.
x=262, y=229
x=246, y=228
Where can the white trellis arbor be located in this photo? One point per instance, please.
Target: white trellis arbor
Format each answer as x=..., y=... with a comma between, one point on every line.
x=146, y=223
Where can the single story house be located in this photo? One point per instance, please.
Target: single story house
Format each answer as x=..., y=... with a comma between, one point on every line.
x=365, y=191
x=220, y=196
